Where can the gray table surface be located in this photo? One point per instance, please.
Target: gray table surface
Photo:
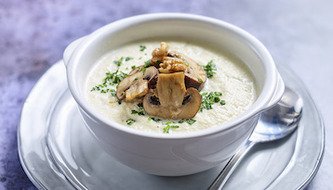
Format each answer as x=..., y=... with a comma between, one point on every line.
x=34, y=33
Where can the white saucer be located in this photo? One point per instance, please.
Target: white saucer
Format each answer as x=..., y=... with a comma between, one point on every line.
x=57, y=151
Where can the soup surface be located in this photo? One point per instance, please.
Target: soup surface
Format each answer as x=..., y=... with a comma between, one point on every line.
x=228, y=92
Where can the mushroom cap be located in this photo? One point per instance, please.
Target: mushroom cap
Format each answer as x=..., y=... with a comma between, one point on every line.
x=136, y=90
x=171, y=100
x=171, y=89
x=195, y=75
x=189, y=108
x=126, y=83
x=136, y=84
x=191, y=104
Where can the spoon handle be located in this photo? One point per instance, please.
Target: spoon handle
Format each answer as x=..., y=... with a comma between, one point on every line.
x=223, y=177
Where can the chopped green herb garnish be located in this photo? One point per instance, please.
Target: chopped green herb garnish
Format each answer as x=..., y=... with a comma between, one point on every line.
x=222, y=102
x=133, y=67
x=114, y=78
x=168, y=126
x=139, y=111
x=169, y=122
x=113, y=92
x=143, y=47
x=104, y=90
x=109, y=81
x=146, y=65
x=98, y=87
x=119, y=62
x=208, y=99
x=210, y=69
x=188, y=121
x=130, y=121
x=154, y=119
x=128, y=58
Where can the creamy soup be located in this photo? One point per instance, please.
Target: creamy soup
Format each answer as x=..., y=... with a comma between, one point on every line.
x=228, y=91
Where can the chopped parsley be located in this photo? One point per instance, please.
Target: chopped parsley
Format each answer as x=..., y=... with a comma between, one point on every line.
x=222, y=102
x=169, y=125
x=128, y=58
x=154, y=119
x=188, y=121
x=146, y=65
x=139, y=111
x=130, y=121
x=143, y=47
x=208, y=99
x=104, y=89
x=99, y=87
x=114, y=78
x=109, y=81
x=210, y=69
x=119, y=62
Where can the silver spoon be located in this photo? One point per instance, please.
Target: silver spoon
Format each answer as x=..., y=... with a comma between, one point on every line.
x=274, y=124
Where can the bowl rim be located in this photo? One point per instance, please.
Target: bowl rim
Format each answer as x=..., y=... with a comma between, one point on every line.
x=269, y=86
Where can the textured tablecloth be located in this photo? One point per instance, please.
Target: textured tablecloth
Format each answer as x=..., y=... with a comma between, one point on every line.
x=34, y=33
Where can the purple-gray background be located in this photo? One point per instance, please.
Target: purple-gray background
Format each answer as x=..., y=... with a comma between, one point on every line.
x=34, y=33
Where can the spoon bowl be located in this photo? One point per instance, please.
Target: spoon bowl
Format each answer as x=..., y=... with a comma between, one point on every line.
x=275, y=123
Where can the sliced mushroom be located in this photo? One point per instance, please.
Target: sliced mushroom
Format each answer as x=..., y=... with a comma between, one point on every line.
x=172, y=100
x=136, y=90
x=136, y=84
x=195, y=75
x=152, y=82
x=151, y=74
x=192, y=100
x=171, y=89
x=126, y=83
x=136, y=70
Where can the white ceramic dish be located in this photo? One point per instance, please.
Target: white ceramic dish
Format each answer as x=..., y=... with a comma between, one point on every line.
x=61, y=153
x=176, y=154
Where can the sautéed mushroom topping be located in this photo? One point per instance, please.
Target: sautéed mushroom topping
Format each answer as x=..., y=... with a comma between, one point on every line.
x=167, y=96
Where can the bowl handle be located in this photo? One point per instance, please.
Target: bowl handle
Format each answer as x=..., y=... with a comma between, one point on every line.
x=70, y=49
x=279, y=90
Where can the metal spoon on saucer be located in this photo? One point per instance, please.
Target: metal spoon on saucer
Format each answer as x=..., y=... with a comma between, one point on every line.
x=274, y=124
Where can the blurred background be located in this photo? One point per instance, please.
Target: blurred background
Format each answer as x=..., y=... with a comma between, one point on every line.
x=34, y=33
